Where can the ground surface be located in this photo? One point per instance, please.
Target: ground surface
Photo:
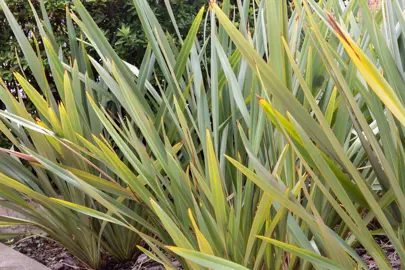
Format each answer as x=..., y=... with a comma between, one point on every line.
x=54, y=256
x=51, y=254
x=389, y=250
x=13, y=260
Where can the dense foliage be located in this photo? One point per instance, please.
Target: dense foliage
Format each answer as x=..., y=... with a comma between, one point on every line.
x=117, y=19
x=272, y=139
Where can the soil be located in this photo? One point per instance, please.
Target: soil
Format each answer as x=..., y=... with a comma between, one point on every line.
x=389, y=250
x=51, y=254
x=46, y=252
x=54, y=256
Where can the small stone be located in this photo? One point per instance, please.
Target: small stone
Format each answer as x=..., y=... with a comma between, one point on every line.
x=57, y=266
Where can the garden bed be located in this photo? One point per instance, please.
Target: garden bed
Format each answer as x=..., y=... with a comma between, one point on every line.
x=388, y=249
x=51, y=254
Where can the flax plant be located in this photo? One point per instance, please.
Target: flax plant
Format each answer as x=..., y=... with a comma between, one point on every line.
x=271, y=138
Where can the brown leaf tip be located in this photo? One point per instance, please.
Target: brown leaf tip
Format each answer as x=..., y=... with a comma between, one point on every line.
x=339, y=31
x=259, y=98
x=335, y=25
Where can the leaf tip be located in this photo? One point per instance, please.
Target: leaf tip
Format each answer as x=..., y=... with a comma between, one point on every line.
x=259, y=98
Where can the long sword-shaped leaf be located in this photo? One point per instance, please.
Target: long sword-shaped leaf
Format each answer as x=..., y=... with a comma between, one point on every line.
x=370, y=73
x=308, y=255
x=270, y=80
x=206, y=260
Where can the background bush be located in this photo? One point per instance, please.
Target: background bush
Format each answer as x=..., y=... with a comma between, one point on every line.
x=117, y=19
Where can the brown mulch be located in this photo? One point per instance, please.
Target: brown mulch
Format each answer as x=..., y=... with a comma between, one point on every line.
x=53, y=255
x=388, y=249
x=46, y=252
